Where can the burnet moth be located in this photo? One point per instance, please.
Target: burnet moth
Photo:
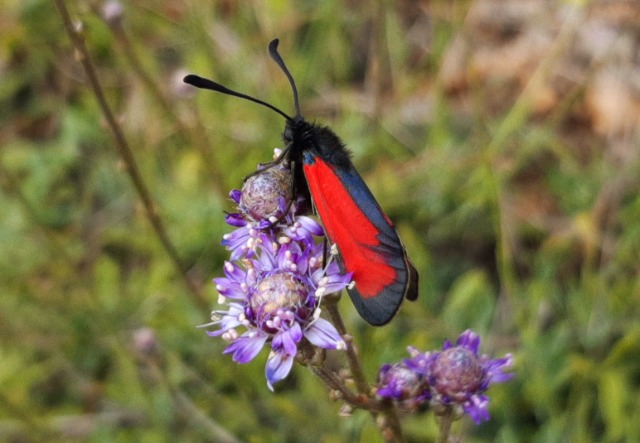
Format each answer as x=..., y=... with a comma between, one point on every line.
x=367, y=242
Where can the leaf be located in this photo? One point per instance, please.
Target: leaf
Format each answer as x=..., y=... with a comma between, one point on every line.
x=470, y=303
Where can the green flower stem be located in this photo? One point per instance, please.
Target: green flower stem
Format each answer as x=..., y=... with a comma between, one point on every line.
x=444, y=423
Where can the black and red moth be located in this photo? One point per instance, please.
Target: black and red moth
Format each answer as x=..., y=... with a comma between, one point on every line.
x=367, y=242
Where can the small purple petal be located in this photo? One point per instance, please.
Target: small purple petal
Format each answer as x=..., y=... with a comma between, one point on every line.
x=288, y=340
x=323, y=334
x=229, y=288
x=496, y=367
x=478, y=408
x=235, y=195
x=231, y=285
x=235, y=220
x=237, y=240
x=247, y=346
x=301, y=260
x=233, y=272
x=422, y=362
x=336, y=282
x=229, y=321
x=469, y=340
x=278, y=367
x=296, y=332
x=310, y=225
x=303, y=229
x=267, y=259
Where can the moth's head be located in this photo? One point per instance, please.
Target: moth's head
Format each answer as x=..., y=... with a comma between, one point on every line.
x=294, y=127
x=287, y=135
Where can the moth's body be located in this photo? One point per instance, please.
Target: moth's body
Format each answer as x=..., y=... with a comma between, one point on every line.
x=367, y=241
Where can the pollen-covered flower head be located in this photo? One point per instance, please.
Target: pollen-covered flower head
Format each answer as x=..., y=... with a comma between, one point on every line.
x=277, y=295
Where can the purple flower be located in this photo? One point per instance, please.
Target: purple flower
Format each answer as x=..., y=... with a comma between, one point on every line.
x=401, y=383
x=453, y=379
x=275, y=297
x=275, y=280
x=459, y=376
x=265, y=206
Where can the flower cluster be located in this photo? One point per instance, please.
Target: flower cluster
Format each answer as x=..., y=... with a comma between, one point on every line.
x=276, y=277
x=452, y=380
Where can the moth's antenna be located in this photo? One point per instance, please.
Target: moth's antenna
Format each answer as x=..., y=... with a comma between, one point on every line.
x=273, y=52
x=204, y=83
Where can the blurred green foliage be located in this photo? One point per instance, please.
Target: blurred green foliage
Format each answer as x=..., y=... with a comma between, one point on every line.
x=516, y=198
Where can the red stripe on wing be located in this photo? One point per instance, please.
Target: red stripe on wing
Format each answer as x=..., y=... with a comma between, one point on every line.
x=348, y=227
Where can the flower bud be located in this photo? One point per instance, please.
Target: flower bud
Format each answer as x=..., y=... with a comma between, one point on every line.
x=112, y=12
x=457, y=371
x=266, y=194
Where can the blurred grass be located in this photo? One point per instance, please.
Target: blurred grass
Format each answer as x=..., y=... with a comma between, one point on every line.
x=499, y=136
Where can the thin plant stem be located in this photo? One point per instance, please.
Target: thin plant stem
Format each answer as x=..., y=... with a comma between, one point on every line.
x=127, y=155
x=352, y=355
x=444, y=423
x=335, y=383
x=153, y=365
x=385, y=413
x=196, y=133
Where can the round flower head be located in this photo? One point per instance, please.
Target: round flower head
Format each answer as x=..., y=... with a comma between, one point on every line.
x=275, y=297
x=265, y=206
x=266, y=194
x=459, y=376
x=401, y=383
